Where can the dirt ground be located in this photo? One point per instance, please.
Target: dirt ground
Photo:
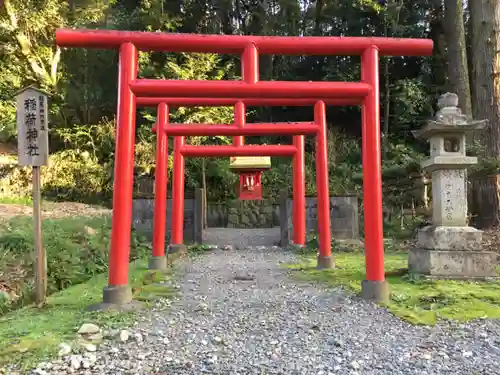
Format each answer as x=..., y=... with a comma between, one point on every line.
x=53, y=210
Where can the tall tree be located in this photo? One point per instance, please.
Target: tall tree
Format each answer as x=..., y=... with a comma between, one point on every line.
x=458, y=73
x=485, y=25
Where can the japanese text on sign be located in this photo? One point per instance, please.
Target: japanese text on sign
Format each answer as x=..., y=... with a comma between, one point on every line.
x=32, y=127
x=30, y=116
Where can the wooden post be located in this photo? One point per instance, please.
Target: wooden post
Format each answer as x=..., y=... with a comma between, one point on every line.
x=33, y=150
x=40, y=256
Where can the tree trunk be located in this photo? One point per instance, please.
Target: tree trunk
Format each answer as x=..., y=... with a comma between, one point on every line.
x=485, y=22
x=438, y=62
x=458, y=73
x=458, y=70
x=318, y=18
x=391, y=18
x=469, y=41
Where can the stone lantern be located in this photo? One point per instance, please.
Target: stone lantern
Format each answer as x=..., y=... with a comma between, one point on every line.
x=449, y=248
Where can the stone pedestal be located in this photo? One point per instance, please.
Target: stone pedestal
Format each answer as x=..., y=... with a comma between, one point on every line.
x=449, y=248
x=451, y=252
x=452, y=264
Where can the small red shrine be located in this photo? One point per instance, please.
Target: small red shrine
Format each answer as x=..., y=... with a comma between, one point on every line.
x=250, y=169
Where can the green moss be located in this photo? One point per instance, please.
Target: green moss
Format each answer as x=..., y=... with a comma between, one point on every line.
x=413, y=299
x=30, y=335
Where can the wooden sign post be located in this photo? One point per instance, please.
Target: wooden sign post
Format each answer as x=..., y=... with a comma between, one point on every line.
x=33, y=150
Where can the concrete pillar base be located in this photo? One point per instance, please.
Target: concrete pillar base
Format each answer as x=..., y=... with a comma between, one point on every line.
x=118, y=295
x=375, y=291
x=117, y=298
x=157, y=263
x=325, y=262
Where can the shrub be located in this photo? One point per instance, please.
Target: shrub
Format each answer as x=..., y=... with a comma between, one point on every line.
x=76, y=248
x=70, y=175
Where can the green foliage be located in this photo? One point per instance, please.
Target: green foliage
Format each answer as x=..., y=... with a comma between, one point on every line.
x=98, y=139
x=70, y=175
x=7, y=119
x=73, y=174
x=402, y=226
x=411, y=106
x=196, y=66
x=77, y=249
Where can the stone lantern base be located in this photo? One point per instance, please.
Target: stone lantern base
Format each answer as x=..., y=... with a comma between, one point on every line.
x=451, y=253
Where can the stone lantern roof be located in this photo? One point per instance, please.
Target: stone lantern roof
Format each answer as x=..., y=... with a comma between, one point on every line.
x=447, y=135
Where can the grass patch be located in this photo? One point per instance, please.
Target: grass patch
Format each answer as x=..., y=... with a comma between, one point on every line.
x=198, y=249
x=30, y=335
x=413, y=299
x=77, y=250
x=25, y=201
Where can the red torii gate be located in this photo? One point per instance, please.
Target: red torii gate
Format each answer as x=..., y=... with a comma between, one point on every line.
x=249, y=91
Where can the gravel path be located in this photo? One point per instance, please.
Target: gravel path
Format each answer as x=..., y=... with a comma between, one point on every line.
x=242, y=237
x=263, y=322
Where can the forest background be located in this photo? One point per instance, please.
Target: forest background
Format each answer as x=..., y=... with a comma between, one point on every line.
x=82, y=84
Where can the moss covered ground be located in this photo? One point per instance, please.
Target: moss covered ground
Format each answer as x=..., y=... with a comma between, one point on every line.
x=413, y=298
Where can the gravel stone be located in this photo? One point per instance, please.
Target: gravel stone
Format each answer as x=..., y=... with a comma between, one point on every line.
x=276, y=325
x=124, y=335
x=64, y=349
x=89, y=328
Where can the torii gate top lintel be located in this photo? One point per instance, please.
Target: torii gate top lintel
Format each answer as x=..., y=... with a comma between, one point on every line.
x=235, y=44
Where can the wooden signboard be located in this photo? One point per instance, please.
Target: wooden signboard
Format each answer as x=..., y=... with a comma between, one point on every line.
x=33, y=150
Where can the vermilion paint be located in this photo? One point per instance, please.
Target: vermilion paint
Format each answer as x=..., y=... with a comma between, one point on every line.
x=299, y=191
x=256, y=192
x=250, y=102
x=247, y=92
x=236, y=44
x=243, y=150
x=322, y=182
x=178, y=193
x=161, y=173
x=124, y=168
x=242, y=90
x=372, y=168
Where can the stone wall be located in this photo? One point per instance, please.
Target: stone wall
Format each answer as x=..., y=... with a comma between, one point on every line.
x=243, y=214
x=143, y=213
x=217, y=215
x=252, y=214
x=344, y=217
